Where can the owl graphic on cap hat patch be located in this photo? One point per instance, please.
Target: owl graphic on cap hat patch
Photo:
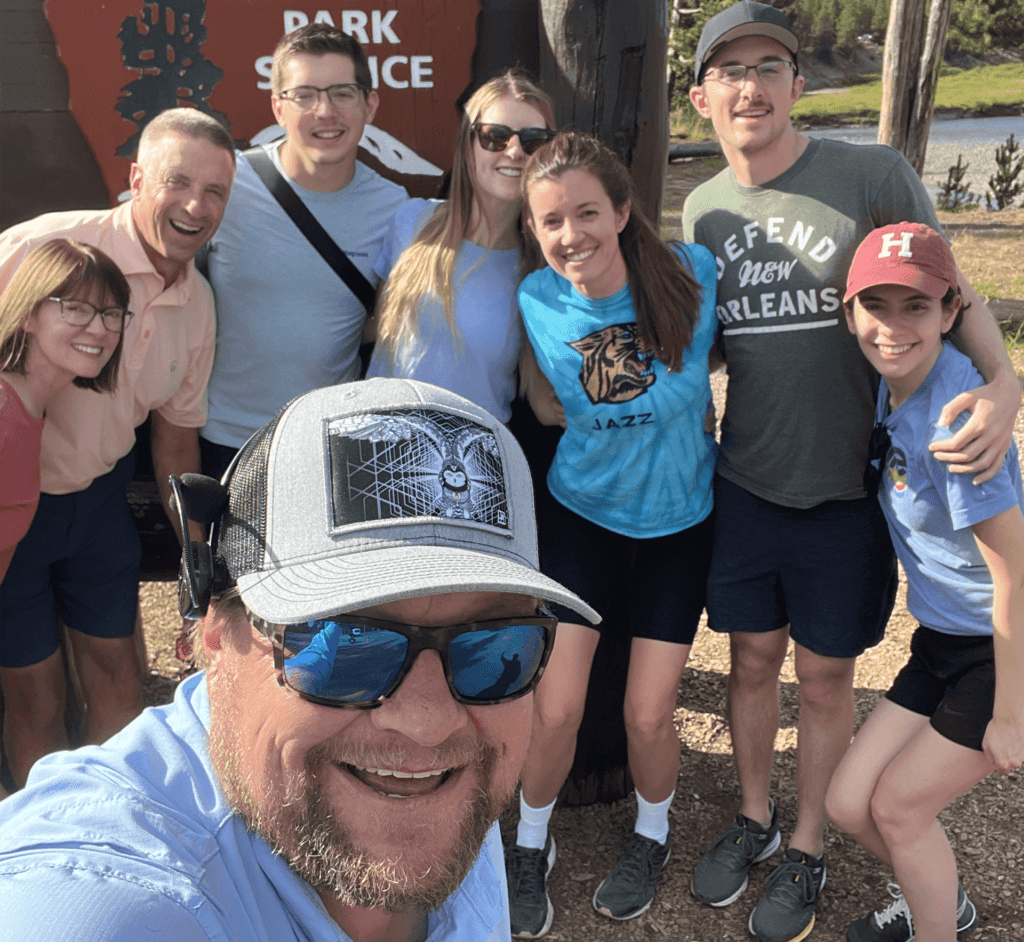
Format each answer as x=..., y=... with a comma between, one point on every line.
x=416, y=463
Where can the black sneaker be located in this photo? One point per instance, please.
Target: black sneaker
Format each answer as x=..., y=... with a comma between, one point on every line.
x=966, y=914
x=721, y=875
x=786, y=911
x=628, y=890
x=895, y=924
x=529, y=905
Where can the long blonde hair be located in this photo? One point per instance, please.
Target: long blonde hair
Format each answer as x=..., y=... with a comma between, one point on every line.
x=426, y=268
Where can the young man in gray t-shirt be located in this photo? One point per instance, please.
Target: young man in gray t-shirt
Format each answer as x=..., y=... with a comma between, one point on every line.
x=800, y=551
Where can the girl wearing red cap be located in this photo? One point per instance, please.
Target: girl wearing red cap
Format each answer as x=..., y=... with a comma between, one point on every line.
x=955, y=712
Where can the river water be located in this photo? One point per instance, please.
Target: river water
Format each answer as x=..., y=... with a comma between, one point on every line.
x=975, y=138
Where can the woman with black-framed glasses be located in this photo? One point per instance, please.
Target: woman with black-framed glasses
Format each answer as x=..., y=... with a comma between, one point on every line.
x=448, y=313
x=62, y=320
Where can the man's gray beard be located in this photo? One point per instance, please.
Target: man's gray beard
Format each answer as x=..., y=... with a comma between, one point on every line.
x=297, y=823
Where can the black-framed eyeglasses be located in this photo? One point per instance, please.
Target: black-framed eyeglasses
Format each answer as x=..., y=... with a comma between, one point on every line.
x=306, y=97
x=878, y=450
x=772, y=72
x=356, y=663
x=496, y=137
x=81, y=313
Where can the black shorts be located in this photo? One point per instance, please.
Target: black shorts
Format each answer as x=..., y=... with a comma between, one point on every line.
x=79, y=562
x=660, y=582
x=952, y=679
x=828, y=571
x=214, y=459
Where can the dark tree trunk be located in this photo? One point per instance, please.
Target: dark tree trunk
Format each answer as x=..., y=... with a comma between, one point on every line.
x=604, y=63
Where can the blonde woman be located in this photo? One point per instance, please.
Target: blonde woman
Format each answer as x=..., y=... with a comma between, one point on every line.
x=448, y=313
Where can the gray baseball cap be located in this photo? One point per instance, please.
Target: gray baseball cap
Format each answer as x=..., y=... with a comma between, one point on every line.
x=370, y=492
x=746, y=18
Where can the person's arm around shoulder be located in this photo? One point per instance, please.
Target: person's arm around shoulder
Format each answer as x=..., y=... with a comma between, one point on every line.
x=1001, y=541
x=981, y=444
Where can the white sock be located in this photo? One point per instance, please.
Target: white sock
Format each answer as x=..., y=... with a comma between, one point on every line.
x=533, y=824
x=652, y=819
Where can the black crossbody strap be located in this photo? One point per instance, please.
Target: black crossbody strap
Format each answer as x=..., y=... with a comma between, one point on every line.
x=298, y=213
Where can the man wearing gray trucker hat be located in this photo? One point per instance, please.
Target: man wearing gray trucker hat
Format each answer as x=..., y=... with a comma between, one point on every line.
x=372, y=632
x=800, y=550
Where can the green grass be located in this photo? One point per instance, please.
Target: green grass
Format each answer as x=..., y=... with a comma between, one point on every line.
x=959, y=89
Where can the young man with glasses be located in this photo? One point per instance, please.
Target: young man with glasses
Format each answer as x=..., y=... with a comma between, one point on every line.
x=79, y=561
x=286, y=323
x=371, y=648
x=800, y=551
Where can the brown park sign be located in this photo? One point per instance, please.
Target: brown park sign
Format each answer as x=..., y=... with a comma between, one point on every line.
x=127, y=60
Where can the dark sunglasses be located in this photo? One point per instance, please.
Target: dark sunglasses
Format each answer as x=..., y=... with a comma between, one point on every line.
x=878, y=449
x=495, y=137
x=348, y=661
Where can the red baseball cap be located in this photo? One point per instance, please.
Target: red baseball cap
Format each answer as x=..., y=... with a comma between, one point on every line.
x=907, y=253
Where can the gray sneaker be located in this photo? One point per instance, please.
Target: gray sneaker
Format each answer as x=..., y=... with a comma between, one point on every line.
x=895, y=924
x=786, y=911
x=721, y=875
x=526, y=870
x=628, y=890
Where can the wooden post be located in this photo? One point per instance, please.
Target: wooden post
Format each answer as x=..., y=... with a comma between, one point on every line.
x=604, y=63
x=910, y=71
x=927, y=82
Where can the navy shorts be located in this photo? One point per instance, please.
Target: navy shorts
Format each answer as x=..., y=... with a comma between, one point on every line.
x=828, y=571
x=663, y=580
x=79, y=562
x=952, y=679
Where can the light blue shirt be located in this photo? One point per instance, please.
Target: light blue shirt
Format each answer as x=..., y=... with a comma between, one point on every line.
x=481, y=364
x=134, y=840
x=634, y=458
x=286, y=323
x=930, y=511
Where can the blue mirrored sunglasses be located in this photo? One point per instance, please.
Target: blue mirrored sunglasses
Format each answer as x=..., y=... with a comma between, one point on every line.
x=353, y=662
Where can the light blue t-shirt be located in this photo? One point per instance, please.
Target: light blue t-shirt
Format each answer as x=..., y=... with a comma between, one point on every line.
x=482, y=365
x=634, y=458
x=930, y=511
x=134, y=840
x=286, y=323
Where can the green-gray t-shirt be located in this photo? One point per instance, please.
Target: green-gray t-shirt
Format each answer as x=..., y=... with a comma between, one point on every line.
x=801, y=394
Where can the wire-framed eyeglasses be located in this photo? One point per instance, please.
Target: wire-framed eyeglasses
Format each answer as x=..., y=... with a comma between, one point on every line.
x=344, y=95
x=773, y=72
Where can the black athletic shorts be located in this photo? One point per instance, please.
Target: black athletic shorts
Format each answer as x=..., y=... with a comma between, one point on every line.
x=828, y=571
x=664, y=578
x=952, y=679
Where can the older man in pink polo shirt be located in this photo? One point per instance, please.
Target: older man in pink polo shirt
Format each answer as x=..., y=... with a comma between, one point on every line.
x=79, y=561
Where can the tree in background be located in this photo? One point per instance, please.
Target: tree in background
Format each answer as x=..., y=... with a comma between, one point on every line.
x=979, y=25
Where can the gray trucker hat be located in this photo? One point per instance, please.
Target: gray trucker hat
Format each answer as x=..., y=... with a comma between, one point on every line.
x=370, y=492
x=746, y=18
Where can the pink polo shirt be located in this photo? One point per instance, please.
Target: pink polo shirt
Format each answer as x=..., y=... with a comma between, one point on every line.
x=165, y=364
